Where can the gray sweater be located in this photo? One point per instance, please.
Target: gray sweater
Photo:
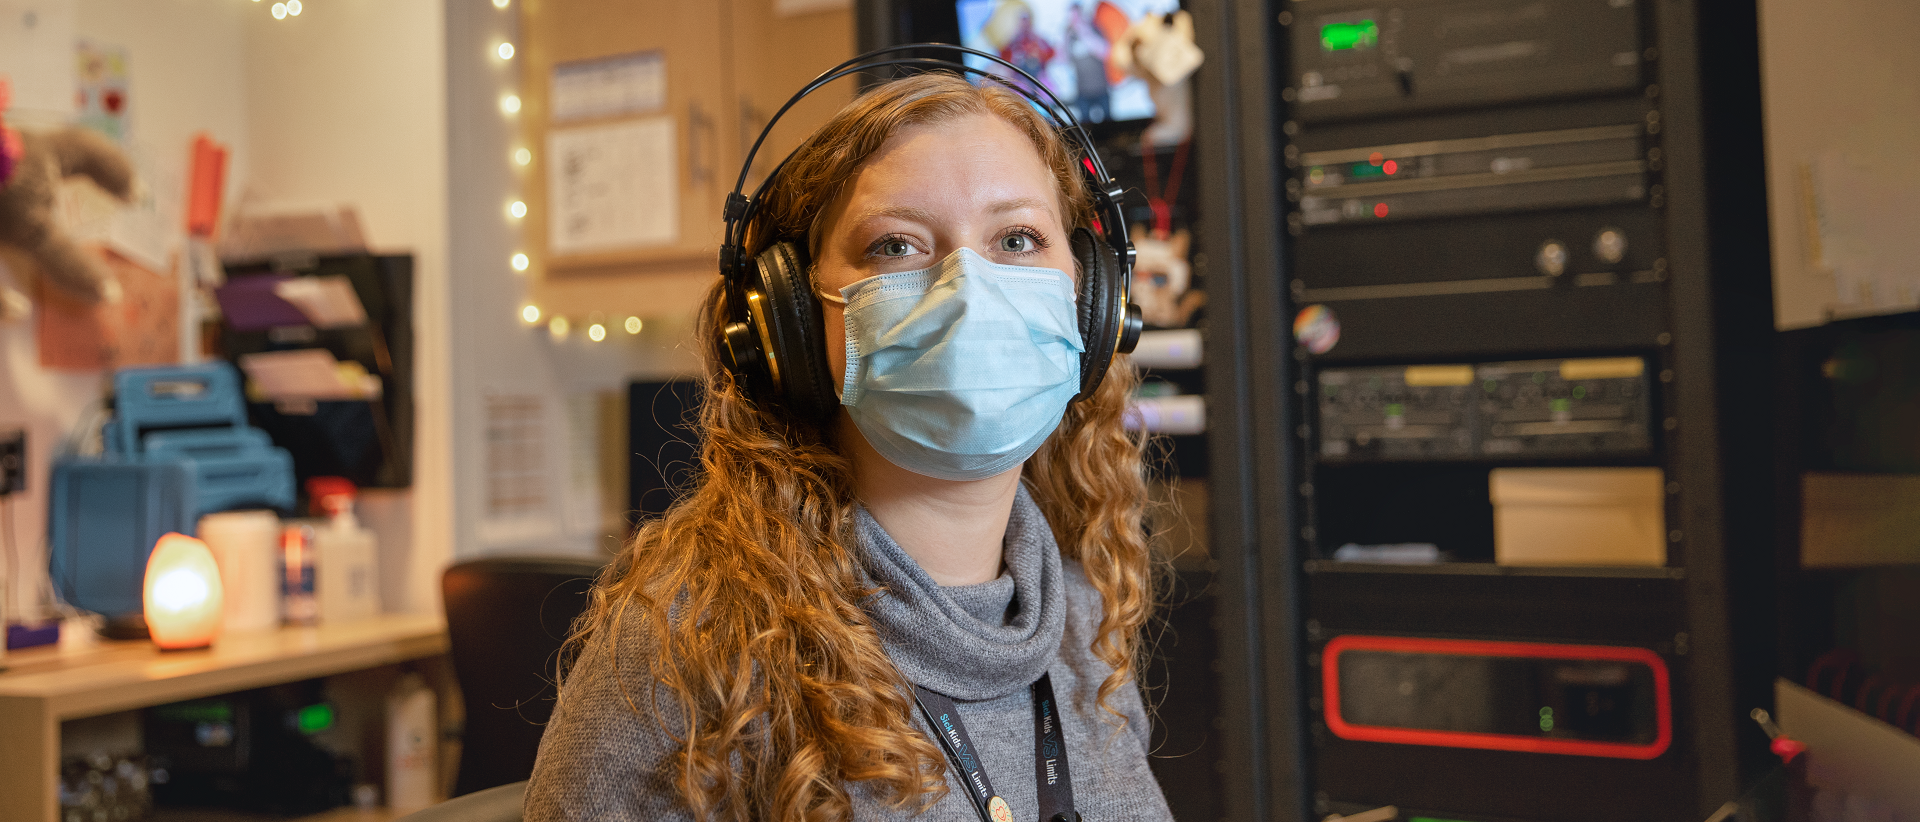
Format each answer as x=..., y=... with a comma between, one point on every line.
x=983, y=645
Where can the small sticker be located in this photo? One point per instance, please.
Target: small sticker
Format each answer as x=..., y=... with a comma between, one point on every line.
x=997, y=808
x=1316, y=328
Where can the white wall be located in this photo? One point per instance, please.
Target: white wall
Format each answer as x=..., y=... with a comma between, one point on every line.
x=185, y=75
x=1843, y=156
x=493, y=352
x=391, y=105
x=346, y=103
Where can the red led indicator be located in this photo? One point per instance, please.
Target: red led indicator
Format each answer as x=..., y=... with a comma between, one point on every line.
x=1376, y=158
x=1390, y=166
x=1379, y=209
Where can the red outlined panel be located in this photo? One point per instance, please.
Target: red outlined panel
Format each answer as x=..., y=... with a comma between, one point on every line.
x=1662, y=689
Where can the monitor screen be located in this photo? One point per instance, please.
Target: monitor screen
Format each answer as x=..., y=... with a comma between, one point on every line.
x=1068, y=45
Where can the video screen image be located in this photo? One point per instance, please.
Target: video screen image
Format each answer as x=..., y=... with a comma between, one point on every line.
x=1068, y=44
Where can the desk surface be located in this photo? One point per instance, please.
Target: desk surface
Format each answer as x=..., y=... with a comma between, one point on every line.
x=46, y=686
x=89, y=679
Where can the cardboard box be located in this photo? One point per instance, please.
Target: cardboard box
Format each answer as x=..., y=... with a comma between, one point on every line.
x=1859, y=520
x=1579, y=516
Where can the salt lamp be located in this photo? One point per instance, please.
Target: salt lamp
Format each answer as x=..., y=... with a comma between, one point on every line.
x=182, y=593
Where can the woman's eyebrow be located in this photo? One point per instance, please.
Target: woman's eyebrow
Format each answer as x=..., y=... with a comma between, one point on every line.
x=923, y=216
x=909, y=213
x=1018, y=204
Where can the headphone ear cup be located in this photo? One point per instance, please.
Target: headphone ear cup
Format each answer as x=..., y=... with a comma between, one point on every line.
x=1101, y=304
x=793, y=341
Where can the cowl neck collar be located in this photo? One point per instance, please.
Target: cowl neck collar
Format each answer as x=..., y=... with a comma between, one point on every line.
x=971, y=642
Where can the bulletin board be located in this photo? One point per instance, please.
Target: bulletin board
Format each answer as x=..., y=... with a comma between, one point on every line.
x=637, y=117
x=1842, y=115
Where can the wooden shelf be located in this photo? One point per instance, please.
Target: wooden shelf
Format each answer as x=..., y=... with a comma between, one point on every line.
x=44, y=687
x=108, y=676
x=1488, y=569
x=346, y=814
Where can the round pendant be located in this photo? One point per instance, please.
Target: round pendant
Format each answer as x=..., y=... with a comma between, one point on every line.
x=997, y=808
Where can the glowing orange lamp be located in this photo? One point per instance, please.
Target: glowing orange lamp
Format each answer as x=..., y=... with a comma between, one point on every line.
x=182, y=594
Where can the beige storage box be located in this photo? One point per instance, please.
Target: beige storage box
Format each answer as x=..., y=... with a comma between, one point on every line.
x=1859, y=520
x=1578, y=516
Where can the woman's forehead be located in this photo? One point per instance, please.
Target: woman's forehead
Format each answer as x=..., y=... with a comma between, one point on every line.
x=977, y=161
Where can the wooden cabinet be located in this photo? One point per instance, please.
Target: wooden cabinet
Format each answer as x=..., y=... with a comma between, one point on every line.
x=728, y=65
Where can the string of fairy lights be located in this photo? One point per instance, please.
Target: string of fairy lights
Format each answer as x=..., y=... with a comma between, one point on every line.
x=598, y=326
x=290, y=8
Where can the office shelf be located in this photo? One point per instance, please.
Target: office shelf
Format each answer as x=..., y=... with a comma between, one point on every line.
x=1488, y=569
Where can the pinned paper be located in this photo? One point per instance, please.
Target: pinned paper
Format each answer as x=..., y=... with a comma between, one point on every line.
x=148, y=314
x=73, y=335
x=609, y=87
x=1864, y=217
x=140, y=328
x=613, y=186
x=102, y=96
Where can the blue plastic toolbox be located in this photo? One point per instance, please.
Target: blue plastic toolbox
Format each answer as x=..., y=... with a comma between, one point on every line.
x=178, y=447
x=104, y=518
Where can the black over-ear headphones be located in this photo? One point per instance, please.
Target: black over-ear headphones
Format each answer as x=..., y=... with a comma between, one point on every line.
x=773, y=338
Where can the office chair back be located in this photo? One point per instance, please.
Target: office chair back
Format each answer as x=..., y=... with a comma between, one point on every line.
x=506, y=620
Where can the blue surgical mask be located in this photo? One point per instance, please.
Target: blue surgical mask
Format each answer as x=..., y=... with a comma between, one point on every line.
x=960, y=371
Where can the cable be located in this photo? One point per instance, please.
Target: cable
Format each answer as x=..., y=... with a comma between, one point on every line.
x=13, y=564
x=86, y=438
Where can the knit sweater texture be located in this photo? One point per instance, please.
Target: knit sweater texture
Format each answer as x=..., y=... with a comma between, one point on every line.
x=983, y=645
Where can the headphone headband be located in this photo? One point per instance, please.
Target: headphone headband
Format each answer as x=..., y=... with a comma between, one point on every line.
x=740, y=210
x=771, y=332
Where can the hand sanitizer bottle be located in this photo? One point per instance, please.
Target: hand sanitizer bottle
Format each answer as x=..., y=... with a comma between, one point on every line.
x=344, y=561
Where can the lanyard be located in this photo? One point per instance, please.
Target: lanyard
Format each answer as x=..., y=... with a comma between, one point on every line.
x=1053, y=785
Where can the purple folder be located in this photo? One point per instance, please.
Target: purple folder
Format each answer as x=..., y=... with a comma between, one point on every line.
x=250, y=304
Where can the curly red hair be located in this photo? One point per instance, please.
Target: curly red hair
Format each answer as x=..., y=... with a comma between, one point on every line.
x=749, y=590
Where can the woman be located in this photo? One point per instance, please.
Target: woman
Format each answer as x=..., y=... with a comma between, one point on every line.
x=758, y=652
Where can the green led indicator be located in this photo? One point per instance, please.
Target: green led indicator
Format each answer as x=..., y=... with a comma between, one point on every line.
x=1349, y=36
x=1364, y=171
x=1579, y=392
x=1395, y=409
x=1492, y=386
x=1546, y=719
x=315, y=718
x=1560, y=405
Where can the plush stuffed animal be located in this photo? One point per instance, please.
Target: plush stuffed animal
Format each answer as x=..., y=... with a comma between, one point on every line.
x=1161, y=50
x=35, y=164
x=1162, y=277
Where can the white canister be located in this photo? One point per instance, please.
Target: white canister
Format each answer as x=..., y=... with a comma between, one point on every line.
x=411, y=743
x=246, y=546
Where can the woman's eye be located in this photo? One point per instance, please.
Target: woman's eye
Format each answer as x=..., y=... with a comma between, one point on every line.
x=895, y=248
x=1016, y=243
